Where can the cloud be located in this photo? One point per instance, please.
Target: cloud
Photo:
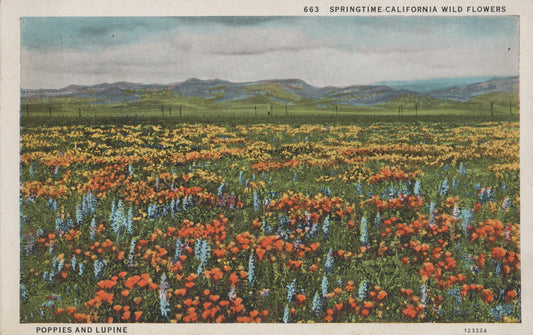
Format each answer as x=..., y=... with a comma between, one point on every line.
x=252, y=53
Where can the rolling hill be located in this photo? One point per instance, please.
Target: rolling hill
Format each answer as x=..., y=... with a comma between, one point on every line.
x=216, y=92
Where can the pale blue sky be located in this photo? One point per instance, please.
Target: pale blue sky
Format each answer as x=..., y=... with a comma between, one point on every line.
x=339, y=51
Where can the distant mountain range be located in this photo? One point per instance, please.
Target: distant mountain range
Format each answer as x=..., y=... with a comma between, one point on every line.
x=289, y=91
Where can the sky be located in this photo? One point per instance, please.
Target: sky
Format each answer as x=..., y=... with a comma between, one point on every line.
x=323, y=51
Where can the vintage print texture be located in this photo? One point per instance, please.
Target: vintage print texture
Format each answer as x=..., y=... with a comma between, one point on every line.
x=269, y=169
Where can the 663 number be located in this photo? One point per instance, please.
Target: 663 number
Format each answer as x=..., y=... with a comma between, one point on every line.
x=311, y=9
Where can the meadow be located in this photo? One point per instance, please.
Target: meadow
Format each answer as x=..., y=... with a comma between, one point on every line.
x=330, y=218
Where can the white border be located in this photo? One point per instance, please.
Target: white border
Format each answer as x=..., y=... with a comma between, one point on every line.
x=12, y=10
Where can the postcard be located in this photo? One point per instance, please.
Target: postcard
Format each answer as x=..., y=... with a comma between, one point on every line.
x=170, y=167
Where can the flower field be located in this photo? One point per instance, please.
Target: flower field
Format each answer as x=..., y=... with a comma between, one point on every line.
x=387, y=222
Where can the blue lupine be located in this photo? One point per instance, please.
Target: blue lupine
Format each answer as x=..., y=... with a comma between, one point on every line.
x=164, y=305
x=502, y=310
x=201, y=250
x=317, y=304
x=363, y=290
x=325, y=228
x=432, y=220
x=286, y=315
x=467, y=216
x=53, y=204
x=359, y=189
x=251, y=270
x=232, y=294
x=313, y=232
x=220, y=189
x=188, y=202
x=173, y=207
x=131, y=255
x=117, y=218
x=364, y=231
x=60, y=225
x=324, y=287
x=519, y=306
x=328, y=265
x=462, y=170
x=113, y=209
x=129, y=221
x=291, y=291
x=267, y=229
x=88, y=205
x=79, y=215
x=456, y=212
x=490, y=194
x=60, y=266
x=506, y=204
x=392, y=192
x=385, y=194
x=256, y=201
x=151, y=212
x=423, y=296
x=417, y=189
x=178, y=250
x=23, y=293
x=93, y=229
x=455, y=184
x=456, y=293
x=99, y=267
x=443, y=187
x=498, y=269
